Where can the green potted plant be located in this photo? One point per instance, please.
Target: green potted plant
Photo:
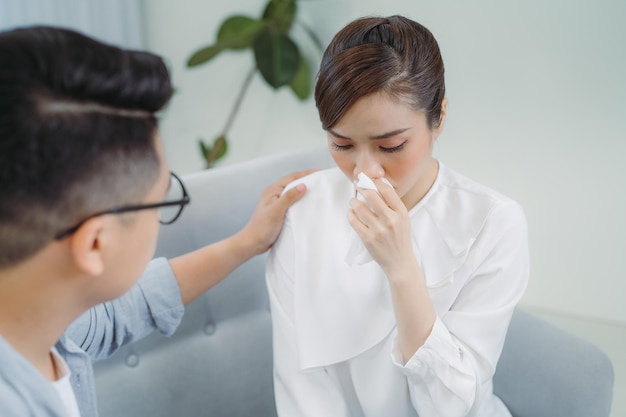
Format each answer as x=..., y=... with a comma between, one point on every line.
x=276, y=55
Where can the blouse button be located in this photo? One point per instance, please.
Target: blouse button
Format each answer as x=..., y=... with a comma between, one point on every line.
x=132, y=360
x=209, y=329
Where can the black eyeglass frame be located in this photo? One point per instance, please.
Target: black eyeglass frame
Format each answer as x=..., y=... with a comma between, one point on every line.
x=137, y=207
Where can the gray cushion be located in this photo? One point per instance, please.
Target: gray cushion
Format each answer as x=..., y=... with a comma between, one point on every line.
x=545, y=371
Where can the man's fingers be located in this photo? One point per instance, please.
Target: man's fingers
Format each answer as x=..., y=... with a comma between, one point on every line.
x=275, y=190
x=292, y=195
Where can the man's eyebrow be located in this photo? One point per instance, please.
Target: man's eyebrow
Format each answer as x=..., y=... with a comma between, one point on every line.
x=381, y=136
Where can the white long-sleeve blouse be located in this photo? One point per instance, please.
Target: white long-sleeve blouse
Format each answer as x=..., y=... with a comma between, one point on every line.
x=333, y=323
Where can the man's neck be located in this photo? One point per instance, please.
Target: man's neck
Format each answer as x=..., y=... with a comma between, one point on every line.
x=35, y=310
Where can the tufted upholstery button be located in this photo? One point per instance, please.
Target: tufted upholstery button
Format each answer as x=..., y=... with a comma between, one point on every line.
x=209, y=328
x=132, y=360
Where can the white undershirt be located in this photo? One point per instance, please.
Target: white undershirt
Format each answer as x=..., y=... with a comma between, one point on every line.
x=63, y=385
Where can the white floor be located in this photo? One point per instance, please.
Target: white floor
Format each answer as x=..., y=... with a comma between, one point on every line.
x=611, y=337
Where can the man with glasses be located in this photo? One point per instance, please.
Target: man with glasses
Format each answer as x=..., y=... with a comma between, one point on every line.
x=169, y=210
x=83, y=186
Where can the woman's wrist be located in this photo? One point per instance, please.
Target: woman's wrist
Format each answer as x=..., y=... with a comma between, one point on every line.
x=403, y=272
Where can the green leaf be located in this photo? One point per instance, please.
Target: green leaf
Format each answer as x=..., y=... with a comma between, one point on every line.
x=239, y=32
x=220, y=147
x=213, y=154
x=277, y=58
x=236, y=32
x=204, y=151
x=204, y=55
x=301, y=82
x=281, y=14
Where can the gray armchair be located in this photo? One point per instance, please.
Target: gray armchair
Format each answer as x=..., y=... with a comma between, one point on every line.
x=219, y=361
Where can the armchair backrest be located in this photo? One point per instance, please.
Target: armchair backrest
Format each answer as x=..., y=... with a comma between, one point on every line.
x=545, y=371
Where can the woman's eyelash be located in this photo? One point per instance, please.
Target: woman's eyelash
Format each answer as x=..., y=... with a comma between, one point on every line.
x=341, y=147
x=383, y=149
x=394, y=149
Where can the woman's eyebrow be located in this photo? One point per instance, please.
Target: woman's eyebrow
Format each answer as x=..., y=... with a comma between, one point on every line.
x=337, y=135
x=390, y=134
x=381, y=136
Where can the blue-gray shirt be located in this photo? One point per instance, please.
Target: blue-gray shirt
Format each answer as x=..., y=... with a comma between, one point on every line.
x=154, y=303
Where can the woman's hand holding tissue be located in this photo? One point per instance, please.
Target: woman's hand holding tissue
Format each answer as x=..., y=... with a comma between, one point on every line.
x=383, y=224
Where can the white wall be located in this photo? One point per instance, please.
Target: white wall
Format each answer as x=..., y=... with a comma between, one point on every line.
x=267, y=122
x=114, y=21
x=537, y=110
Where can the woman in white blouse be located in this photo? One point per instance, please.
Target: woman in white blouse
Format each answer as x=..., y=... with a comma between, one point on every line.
x=395, y=303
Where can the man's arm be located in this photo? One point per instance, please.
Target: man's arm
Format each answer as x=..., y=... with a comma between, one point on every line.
x=200, y=270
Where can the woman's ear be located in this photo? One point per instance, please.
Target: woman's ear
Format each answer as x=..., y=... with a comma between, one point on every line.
x=86, y=245
x=444, y=112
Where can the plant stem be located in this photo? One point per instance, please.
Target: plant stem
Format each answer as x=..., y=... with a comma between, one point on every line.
x=242, y=93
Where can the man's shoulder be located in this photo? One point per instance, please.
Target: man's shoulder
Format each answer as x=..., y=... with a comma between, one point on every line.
x=22, y=391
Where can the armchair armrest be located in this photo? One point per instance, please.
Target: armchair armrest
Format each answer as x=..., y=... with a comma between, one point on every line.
x=545, y=371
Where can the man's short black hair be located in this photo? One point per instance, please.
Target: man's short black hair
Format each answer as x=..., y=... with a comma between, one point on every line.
x=77, y=132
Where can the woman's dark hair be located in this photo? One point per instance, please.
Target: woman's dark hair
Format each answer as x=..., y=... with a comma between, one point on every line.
x=77, y=132
x=393, y=55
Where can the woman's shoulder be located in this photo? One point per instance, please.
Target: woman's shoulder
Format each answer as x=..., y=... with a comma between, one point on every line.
x=457, y=183
x=328, y=176
x=324, y=184
x=473, y=196
x=328, y=192
x=462, y=208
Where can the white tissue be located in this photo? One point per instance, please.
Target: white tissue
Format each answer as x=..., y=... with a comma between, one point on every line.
x=357, y=252
x=366, y=183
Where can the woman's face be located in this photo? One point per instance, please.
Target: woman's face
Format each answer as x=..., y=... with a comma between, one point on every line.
x=384, y=137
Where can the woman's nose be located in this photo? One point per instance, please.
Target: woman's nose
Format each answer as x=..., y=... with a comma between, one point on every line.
x=369, y=165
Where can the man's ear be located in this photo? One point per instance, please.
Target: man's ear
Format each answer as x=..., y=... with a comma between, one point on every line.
x=86, y=246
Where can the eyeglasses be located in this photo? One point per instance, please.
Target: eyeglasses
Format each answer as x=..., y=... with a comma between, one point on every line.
x=169, y=210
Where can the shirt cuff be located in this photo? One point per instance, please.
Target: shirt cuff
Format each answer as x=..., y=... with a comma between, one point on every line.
x=160, y=288
x=438, y=349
